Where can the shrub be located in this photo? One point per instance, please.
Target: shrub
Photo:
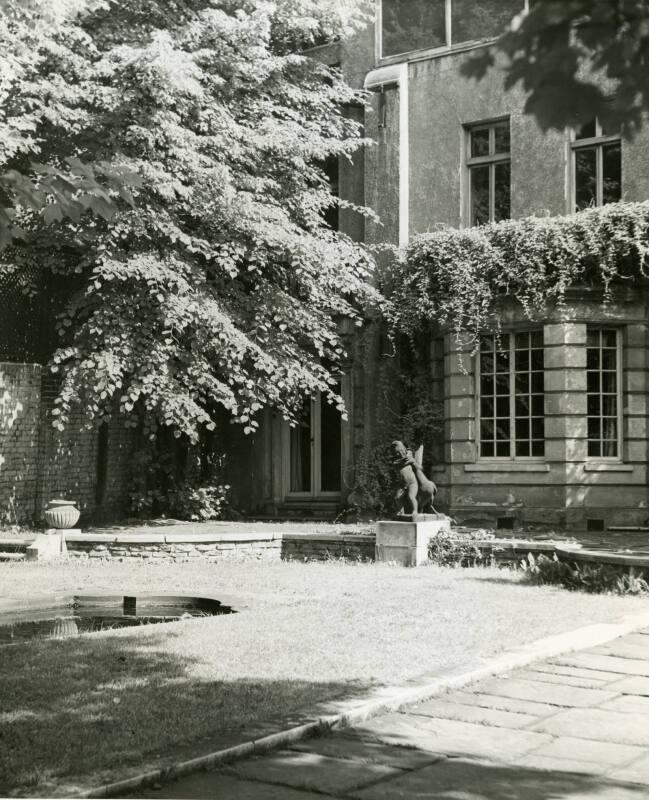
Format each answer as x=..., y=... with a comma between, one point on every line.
x=595, y=578
x=459, y=549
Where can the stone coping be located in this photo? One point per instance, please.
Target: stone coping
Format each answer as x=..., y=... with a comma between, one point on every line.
x=562, y=548
x=600, y=557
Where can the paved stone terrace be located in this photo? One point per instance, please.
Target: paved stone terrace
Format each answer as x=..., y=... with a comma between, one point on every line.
x=574, y=727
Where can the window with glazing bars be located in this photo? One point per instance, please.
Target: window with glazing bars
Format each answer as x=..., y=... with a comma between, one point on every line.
x=596, y=166
x=602, y=386
x=489, y=166
x=512, y=423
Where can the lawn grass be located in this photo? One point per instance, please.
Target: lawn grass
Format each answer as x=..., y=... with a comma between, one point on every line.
x=75, y=713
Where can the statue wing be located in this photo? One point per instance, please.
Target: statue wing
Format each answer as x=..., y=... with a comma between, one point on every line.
x=419, y=455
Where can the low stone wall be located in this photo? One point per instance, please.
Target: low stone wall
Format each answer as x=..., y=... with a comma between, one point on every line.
x=158, y=547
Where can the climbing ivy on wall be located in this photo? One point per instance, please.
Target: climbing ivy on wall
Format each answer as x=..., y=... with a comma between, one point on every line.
x=456, y=277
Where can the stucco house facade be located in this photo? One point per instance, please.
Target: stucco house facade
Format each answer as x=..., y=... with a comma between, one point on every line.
x=548, y=425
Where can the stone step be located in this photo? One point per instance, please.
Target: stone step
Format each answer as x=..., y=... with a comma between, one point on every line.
x=12, y=556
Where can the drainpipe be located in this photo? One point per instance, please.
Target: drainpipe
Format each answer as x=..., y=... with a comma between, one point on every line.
x=380, y=79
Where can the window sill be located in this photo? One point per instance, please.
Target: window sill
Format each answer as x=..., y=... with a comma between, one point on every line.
x=512, y=466
x=603, y=466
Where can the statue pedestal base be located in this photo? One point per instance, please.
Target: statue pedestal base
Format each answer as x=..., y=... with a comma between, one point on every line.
x=405, y=540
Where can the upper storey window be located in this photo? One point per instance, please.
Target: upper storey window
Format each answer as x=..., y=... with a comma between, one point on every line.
x=408, y=25
x=597, y=165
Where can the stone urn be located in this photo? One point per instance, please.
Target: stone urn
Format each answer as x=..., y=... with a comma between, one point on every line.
x=61, y=514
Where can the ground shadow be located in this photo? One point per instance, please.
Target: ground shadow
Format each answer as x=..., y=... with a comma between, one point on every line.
x=349, y=765
x=77, y=712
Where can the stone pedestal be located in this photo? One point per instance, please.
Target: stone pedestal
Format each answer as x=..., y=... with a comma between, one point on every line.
x=49, y=546
x=405, y=540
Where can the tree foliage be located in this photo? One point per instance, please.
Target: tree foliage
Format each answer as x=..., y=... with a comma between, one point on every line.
x=211, y=279
x=577, y=59
x=456, y=278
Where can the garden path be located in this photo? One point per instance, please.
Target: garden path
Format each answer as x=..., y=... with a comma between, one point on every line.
x=574, y=727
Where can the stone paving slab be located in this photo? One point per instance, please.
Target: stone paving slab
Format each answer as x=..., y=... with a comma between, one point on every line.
x=629, y=703
x=609, y=663
x=217, y=785
x=604, y=726
x=565, y=680
x=597, y=752
x=541, y=692
x=312, y=771
x=513, y=704
x=444, y=709
x=460, y=779
x=449, y=737
x=349, y=745
x=576, y=672
x=632, y=685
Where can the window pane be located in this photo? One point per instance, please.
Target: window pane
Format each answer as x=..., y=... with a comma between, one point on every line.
x=609, y=382
x=587, y=131
x=537, y=383
x=480, y=195
x=502, y=449
x=522, y=428
x=592, y=381
x=522, y=383
x=522, y=360
x=502, y=361
x=502, y=198
x=486, y=407
x=502, y=429
x=301, y=451
x=538, y=449
x=502, y=384
x=486, y=386
x=482, y=20
x=594, y=405
x=595, y=449
x=502, y=137
x=593, y=360
x=612, y=177
x=585, y=178
x=330, y=451
x=487, y=363
x=523, y=406
x=537, y=359
x=594, y=428
x=502, y=406
x=412, y=25
x=593, y=338
x=609, y=405
x=609, y=338
x=487, y=429
x=522, y=449
x=487, y=449
x=609, y=359
x=486, y=344
x=480, y=143
x=538, y=428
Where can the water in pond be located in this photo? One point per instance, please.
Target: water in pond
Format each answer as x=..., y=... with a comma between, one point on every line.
x=61, y=623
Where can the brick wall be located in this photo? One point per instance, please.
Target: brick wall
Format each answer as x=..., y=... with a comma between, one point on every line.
x=20, y=403
x=38, y=463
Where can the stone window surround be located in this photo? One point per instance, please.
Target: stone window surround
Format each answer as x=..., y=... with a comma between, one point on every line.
x=574, y=145
x=429, y=52
x=492, y=160
x=541, y=465
x=511, y=458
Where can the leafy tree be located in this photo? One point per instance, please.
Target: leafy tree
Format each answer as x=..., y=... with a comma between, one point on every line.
x=222, y=287
x=577, y=59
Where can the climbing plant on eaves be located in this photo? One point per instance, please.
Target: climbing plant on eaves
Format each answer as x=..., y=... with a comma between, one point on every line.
x=457, y=277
